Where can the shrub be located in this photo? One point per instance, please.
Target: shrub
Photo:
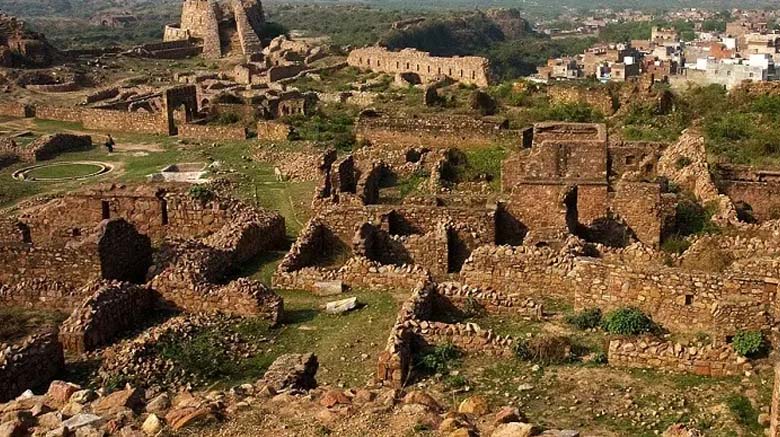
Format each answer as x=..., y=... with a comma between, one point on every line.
x=201, y=193
x=627, y=321
x=544, y=349
x=472, y=307
x=227, y=118
x=440, y=358
x=748, y=343
x=585, y=319
x=743, y=411
x=682, y=162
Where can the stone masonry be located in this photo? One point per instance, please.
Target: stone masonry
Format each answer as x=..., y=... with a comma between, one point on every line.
x=471, y=70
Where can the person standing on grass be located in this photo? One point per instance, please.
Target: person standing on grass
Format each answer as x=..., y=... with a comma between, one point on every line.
x=110, y=144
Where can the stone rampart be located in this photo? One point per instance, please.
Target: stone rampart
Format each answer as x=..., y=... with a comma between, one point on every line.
x=112, y=308
x=472, y=70
x=709, y=360
x=64, y=87
x=490, y=300
x=212, y=133
x=34, y=362
x=58, y=113
x=16, y=109
x=124, y=121
x=404, y=131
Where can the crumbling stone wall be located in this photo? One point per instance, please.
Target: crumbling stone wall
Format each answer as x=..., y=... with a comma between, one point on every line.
x=643, y=209
x=156, y=211
x=273, y=131
x=525, y=271
x=111, y=308
x=680, y=300
x=16, y=109
x=413, y=331
x=44, y=278
x=190, y=276
x=58, y=113
x=711, y=360
x=200, y=19
x=49, y=146
x=407, y=130
x=34, y=362
x=472, y=70
x=755, y=189
x=598, y=97
x=199, y=132
x=490, y=300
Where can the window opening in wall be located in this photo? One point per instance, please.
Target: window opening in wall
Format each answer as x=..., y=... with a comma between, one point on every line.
x=688, y=299
x=164, y=211
x=24, y=230
x=105, y=210
x=630, y=160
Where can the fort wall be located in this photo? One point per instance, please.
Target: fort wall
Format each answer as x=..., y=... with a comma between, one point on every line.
x=212, y=133
x=472, y=70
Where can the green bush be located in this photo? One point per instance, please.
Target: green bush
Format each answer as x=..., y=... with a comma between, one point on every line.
x=201, y=193
x=627, y=321
x=585, y=319
x=439, y=359
x=682, y=162
x=743, y=411
x=748, y=343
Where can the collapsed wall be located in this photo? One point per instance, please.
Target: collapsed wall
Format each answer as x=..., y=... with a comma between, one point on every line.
x=112, y=308
x=34, y=362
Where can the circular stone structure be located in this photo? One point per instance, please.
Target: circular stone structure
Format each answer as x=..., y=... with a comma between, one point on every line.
x=62, y=171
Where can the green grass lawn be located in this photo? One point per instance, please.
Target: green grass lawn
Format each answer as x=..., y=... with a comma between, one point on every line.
x=63, y=171
x=17, y=322
x=346, y=345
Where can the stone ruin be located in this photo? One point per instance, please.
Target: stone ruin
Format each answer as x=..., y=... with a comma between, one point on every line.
x=44, y=148
x=220, y=28
x=22, y=48
x=92, y=253
x=470, y=70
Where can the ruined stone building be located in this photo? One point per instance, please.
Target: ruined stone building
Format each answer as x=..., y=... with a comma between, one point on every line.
x=583, y=180
x=472, y=70
x=222, y=28
x=20, y=47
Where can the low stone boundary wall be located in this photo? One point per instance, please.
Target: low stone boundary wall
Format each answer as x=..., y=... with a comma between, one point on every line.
x=58, y=113
x=54, y=88
x=15, y=109
x=248, y=234
x=112, y=308
x=492, y=301
x=413, y=331
x=467, y=336
x=35, y=362
x=651, y=353
x=212, y=133
x=358, y=273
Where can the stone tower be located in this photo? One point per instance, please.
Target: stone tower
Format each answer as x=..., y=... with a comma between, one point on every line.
x=230, y=27
x=200, y=18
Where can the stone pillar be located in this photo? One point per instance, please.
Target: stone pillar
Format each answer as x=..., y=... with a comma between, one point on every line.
x=774, y=427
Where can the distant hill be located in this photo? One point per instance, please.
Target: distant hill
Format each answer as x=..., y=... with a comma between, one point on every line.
x=462, y=33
